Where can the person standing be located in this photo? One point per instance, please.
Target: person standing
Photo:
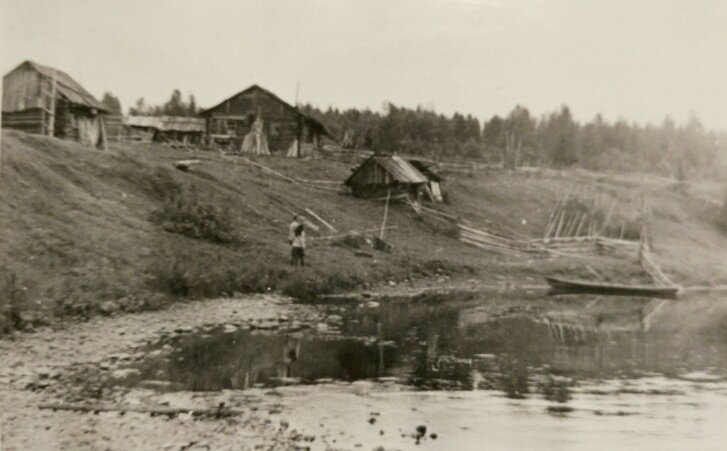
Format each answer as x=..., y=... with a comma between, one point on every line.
x=298, y=246
x=291, y=228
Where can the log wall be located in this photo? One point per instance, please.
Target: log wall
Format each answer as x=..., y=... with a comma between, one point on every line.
x=29, y=121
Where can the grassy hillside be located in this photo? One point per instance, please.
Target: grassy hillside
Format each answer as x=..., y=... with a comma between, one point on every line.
x=85, y=231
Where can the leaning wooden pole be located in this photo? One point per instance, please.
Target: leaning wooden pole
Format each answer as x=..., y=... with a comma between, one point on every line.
x=386, y=213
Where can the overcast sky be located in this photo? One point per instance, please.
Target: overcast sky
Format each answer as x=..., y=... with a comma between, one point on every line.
x=634, y=59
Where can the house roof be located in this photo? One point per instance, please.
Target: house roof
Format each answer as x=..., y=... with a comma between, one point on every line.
x=167, y=123
x=67, y=86
x=399, y=170
x=315, y=122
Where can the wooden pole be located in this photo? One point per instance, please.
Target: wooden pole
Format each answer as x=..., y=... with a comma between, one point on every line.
x=574, y=225
x=321, y=220
x=580, y=225
x=560, y=224
x=386, y=213
x=52, y=115
x=104, y=139
x=352, y=232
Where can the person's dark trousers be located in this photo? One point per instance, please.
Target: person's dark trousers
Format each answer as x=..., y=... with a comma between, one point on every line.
x=298, y=256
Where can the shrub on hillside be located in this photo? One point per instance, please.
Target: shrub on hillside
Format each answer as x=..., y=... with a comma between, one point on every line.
x=163, y=185
x=185, y=214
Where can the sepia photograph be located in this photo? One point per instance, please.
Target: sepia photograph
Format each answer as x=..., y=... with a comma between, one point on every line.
x=378, y=225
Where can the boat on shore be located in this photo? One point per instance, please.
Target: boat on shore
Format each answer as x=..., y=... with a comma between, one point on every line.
x=565, y=286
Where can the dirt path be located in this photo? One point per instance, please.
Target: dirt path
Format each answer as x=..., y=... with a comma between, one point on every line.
x=38, y=359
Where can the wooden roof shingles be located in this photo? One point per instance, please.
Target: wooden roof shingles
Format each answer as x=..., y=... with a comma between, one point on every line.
x=385, y=169
x=67, y=86
x=167, y=123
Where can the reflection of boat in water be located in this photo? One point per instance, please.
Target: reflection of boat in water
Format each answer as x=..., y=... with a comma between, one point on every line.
x=563, y=286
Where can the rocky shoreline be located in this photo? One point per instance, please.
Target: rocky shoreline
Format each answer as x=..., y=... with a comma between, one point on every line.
x=37, y=368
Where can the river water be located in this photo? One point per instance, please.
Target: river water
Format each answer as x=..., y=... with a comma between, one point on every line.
x=476, y=378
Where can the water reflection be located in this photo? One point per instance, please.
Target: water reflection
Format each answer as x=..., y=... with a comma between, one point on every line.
x=434, y=347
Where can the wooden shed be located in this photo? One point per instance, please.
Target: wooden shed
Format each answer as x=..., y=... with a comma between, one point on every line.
x=285, y=128
x=43, y=100
x=380, y=173
x=184, y=130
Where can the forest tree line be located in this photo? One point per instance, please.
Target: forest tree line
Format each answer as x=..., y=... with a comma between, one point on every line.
x=517, y=139
x=521, y=139
x=175, y=106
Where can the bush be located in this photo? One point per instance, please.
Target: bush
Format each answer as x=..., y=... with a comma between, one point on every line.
x=184, y=214
x=163, y=185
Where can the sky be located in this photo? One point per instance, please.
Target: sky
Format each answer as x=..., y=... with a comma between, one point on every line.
x=636, y=60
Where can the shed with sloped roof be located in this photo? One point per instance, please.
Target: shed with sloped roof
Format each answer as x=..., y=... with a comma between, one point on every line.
x=380, y=173
x=44, y=100
x=185, y=130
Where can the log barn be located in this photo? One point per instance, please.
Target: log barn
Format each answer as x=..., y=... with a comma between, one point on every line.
x=285, y=128
x=41, y=99
x=379, y=174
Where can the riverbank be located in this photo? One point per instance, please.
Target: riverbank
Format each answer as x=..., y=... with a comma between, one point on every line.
x=86, y=233
x=34, y=363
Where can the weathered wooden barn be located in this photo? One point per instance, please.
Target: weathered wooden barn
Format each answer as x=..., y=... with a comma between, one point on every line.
x=379, y=174
x=184, y=130
x=40, y=99
x=285, y=128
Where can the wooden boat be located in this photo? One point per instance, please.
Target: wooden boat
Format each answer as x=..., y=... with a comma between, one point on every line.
x=563, y=286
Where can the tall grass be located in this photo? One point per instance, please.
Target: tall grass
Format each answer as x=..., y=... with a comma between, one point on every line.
x=184, y=268
x=12, y=298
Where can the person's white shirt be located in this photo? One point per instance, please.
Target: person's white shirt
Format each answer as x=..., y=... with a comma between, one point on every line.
x=299, y=241
x=291, y=229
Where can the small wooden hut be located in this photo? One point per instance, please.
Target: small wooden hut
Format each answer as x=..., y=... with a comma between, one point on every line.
x=284, y=127
x=380, y=173
x=47, y=101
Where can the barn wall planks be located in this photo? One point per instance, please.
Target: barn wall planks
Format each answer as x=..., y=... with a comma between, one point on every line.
x=283, y=124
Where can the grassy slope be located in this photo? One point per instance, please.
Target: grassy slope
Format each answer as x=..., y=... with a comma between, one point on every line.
x=76, y=227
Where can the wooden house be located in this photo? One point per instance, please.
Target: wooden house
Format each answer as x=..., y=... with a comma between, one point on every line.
x=184, y=130
x=43, y=100
x=284, y=127
x=379, y=174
